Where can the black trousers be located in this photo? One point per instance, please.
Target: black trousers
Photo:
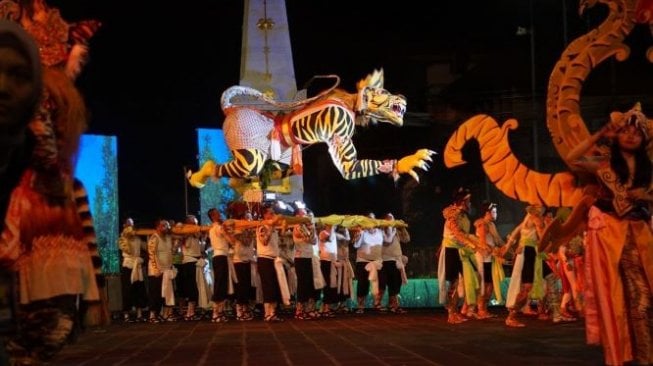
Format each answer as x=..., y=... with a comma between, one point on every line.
x=220, y=278
x=362, y=277
x=186, y=282
x=390, y=277
x=244, y=290
x=155, y=300
x=305, y=286
x=269, y=283
x=453, y=266
x=329, y=294
x=133, y=294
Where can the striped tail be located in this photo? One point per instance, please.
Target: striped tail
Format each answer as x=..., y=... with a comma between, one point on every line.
x=504, y=170
x=96, y=313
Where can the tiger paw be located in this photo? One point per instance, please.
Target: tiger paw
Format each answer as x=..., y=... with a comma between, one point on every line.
x=419, y=159
x=198, y=179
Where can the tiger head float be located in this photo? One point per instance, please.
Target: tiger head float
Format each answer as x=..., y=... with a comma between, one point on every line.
x=375, y=104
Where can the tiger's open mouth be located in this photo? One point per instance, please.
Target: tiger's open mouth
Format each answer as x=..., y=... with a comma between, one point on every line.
x=386, y=107
x=399, y=109
x=395, y=112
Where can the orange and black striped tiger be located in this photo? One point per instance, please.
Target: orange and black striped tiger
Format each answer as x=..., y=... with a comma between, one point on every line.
x=254, y=136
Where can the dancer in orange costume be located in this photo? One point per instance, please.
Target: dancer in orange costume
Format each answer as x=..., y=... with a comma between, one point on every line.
x=619, y=241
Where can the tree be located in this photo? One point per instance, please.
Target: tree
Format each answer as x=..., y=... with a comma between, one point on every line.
x=105, y=209
x=216, y=193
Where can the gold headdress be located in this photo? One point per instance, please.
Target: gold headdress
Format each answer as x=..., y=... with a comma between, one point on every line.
x=635, y=117
x=61, y=44
x=535, y=209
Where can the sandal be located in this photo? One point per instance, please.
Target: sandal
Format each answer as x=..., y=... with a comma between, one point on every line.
x=327, y=314
x=398, y=311
x=170, y=319
x=514, y=323
x=343, y=310
x=563, y=319
x=529, y=311
x=141, y=319
x=219, y=318
x=302, y=316
x=484, y=315
x=244, y=317
x=456, y=318
x=273, y=319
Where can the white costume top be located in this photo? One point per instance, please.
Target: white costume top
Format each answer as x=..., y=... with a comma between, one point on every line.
x=304, y=246
x=329, y=245
x=159, y=249
x=130, y=246
x=219, y=243
x=191, y=248
x=244, y=248
x=343, y=246
x=267, y=242
x=391, y=249
x=369, y=245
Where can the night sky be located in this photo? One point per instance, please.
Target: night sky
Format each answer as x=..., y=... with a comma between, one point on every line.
x=156, y=72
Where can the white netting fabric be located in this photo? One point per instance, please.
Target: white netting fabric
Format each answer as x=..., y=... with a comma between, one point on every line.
x=246, y=128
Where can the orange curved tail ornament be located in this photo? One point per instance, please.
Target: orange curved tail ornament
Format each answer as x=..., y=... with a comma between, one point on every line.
x=504, y=170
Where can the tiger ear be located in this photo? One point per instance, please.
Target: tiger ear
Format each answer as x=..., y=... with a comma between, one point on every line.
x=616, y=116
x=373, y=80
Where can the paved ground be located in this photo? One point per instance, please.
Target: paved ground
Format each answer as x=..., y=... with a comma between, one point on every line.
x=421, y=337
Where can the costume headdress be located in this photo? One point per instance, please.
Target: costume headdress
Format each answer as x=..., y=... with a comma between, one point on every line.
x=488, y=206
x=535, y=209
x=61, y=44
x=62, y=115
x=461, y=195
x=635, y=117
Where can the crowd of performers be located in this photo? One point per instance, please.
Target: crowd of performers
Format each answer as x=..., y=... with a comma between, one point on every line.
x=307, y=268
x=611, y=226
x=262, y=266
x=471, y=267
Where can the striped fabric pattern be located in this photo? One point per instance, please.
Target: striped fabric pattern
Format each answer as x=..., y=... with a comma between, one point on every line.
x=84, y=211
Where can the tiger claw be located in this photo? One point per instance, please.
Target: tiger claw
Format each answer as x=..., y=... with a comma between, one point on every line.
x=419, y=160
x=198, y=179
x=425, y=154
x=193, y=180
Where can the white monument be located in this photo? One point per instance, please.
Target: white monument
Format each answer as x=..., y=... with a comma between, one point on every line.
x=266, y=62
